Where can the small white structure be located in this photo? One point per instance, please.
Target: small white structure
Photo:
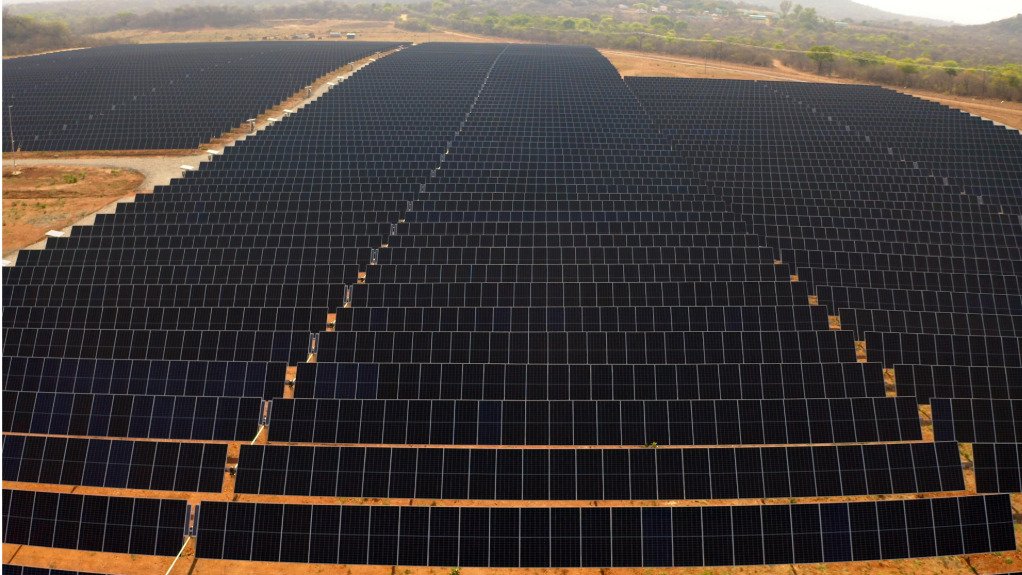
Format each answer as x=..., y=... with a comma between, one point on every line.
x=213, y=154
x=185, y=168
x=272, y=120
x=5, y=263
x=251, y=124
x=55, y=234
x=288, y=112
x=351, y=35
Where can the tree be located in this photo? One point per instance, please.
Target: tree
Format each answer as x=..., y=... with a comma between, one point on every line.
x=951, y=68
x=785, y=8
x=661, y=22
x=866, y=59
x=907, y=68
x=808, y=19
x=824, y=57
x=27, y=34
x=1007, y=81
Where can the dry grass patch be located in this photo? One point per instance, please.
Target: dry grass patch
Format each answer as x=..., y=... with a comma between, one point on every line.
x=37, y=199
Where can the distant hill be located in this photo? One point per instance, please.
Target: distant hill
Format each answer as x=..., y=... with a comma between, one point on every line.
x=1001, y=41
x=848, y=10
x=1011, y=25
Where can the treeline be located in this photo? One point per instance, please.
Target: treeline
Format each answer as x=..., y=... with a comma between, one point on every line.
x=29, y=35
x=797, y=36
x=1002, y=81
x=184, y=18
x=662, y=34
x=192, y=17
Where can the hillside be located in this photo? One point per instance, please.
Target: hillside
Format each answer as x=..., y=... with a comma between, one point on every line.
x=848, y=10
x=1007, y=26
x=1007, y=32
x=27, y=35
x=993, y=43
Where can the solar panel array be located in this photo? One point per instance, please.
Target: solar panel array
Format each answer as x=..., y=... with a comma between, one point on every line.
x=901, y=214
x=158, y=96
x=491, y=276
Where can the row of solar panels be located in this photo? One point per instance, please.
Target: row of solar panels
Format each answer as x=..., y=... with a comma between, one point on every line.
x=311, y=277
x=508, y=474
x=512, y=537
x=691, y=347
x=194, y=315
x=506, y=381
x=511, y=422
x=666, y=347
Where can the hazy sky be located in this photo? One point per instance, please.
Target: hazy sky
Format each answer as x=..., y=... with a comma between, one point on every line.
x=968, y=12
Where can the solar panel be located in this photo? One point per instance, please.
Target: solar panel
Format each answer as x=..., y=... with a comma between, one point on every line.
x=581, y=382
x=587, y=293
x=691, y=347
x=569, y=273
x=980, y=382
x=141, y=377
x=136, y=416
x=997, y=467
x=158, y=344
x=619, y=537
x=94, y=523
x=599, y=474
x=583, y=319
x=972, y=350
x=22, y=570
x=977, y=420
x=168, y=466
x=867, y=320
x=604, y=422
